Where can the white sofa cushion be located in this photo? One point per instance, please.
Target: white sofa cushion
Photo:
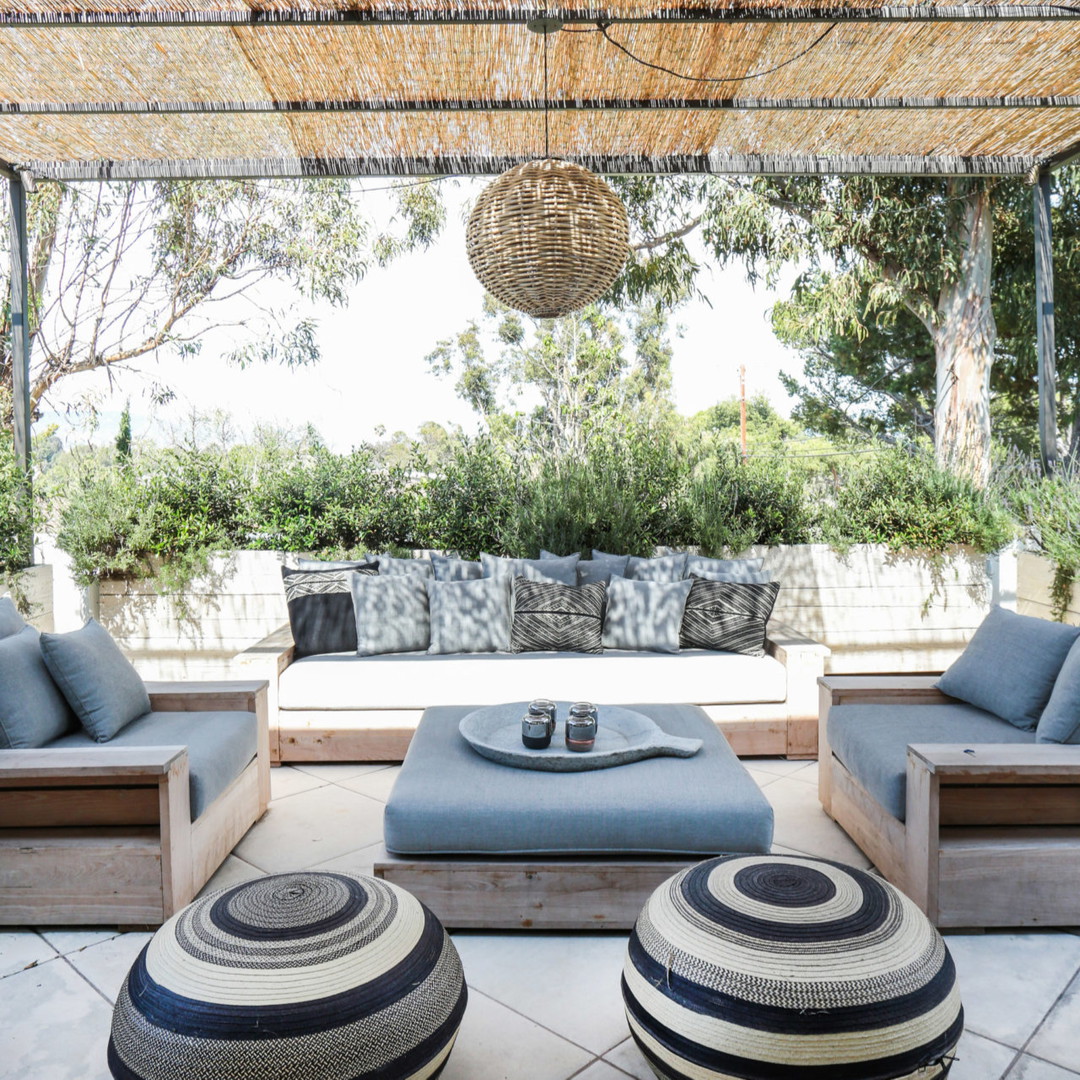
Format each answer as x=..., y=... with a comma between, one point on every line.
x=421, y=680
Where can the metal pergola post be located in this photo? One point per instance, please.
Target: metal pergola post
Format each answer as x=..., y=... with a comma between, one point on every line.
x=1044, y=324
x=20, y=343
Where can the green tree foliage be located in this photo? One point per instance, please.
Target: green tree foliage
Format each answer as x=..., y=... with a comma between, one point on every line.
x=120, y=273
x=589, y=371
x=123, y=434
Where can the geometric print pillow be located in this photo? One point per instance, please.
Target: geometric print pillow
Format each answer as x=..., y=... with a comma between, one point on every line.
x=321, y=609
x=550, y=617
x=727, y=616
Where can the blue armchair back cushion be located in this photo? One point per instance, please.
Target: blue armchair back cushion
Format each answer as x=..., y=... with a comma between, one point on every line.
x=33, y=711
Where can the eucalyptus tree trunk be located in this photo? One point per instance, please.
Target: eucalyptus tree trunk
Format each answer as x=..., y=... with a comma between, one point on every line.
x=964, y=335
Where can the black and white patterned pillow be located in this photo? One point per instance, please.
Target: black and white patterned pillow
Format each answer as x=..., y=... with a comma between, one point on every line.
x=728, y=616
x=558, y=618
x=321, y=609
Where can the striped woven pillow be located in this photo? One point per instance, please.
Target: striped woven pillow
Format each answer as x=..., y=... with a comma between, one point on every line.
x=560, y=618
x=727, y=616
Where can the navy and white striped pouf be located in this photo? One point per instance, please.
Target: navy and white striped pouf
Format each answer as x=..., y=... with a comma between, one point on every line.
x=306, y=976
x=770, y=967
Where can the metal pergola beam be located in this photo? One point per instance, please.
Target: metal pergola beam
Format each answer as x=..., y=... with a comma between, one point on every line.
x=19, y=290
x=475, y=165
x=1044, y=323
x=436, y=105
x=481, y=14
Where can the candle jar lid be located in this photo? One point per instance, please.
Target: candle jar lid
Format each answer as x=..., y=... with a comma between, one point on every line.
x=542, y=707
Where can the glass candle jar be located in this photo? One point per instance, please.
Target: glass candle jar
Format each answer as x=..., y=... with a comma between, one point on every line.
x=536, y=731
x=581, y=726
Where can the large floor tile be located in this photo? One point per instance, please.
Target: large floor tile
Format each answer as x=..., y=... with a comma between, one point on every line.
x=1030, y=1068
x=1058, y=1039
x=106, y=965
x=496, y=1043
x=21, y=949
x=55, y=1026
x=778, y=766
x=335, y=772
x=233, y=871
x=354, y=862
x=311, y=827
x=377, y=785
x=630, y=1059
x=1008, y=982
x=286, y=781
x=761, y=778
x=601, y=1070
x=802, y=825
x=981, y=1059
x=567, y=982
x=69, y=941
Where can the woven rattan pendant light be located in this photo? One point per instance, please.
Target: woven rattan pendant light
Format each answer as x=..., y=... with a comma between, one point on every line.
x=549, y=236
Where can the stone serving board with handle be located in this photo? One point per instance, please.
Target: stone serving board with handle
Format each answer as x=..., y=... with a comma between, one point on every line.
x=622, y=736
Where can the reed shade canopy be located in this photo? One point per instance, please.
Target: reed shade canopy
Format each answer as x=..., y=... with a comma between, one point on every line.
x=122, y=89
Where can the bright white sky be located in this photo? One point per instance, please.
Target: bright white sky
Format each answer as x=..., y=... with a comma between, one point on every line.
x=373, y=372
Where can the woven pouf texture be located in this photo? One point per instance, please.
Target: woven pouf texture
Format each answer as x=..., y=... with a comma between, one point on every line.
x=547, y=238
x=769, y=967
x=306, y=976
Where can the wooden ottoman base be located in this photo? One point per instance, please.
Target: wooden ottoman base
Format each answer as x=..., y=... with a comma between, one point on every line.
x=537, y=893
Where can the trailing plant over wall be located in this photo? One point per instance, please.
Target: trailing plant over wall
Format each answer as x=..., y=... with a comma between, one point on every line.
x=15, y=509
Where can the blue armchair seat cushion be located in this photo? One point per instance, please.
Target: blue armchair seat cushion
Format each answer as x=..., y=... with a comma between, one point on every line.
x=220, y=745
x=871, y=741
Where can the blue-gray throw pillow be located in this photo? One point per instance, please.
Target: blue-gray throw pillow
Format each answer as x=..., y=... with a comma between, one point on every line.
x=1060, y=720
x=332, y=564
x=562, y=569
x=470, y=616
x=644, y=614
x=33, y=711
x=447, y=568
x=321, y=611
x=97, y=679
x=389, y=565
x=594, y=572
x=11, y=622
x=1010, y=666
x=550, y=617
x=662, y=568
x=745, y=570
x=391, y=613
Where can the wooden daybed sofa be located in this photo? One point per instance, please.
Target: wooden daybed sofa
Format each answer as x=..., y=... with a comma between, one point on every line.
x=105, y=832
x=978, y=832
x=343, y=707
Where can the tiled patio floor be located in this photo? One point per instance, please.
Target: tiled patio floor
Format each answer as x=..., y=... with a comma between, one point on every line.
x=542, y=1006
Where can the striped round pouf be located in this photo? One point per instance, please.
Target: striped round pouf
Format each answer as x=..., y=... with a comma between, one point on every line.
x=768, y=967
x=306, y=976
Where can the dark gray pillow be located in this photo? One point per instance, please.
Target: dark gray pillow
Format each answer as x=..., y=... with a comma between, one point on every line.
x=97, y=679
x=33, y=711
x=590, y=572
x=662, y=568
x=644, y=614
x=447, y=568
x=1010, y=666
x=11, y=622
x=550, y=617
x=1060, y=720
x=728, y=616
x=390, y=566
x=470, y=616
x=726, y=569
x=563, y=570
x=391, y=613
x=321, y=612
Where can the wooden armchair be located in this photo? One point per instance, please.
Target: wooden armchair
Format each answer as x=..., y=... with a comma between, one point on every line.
x=991, y=835
x=104, y=834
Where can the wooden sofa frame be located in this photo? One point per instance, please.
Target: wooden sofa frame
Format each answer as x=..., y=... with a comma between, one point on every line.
x=992, y=833
x=786, y=728
x=104, y=834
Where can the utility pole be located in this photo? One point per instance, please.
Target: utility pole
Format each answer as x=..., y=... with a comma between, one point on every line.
x=742, y=411
x=20, y=345
x=1044, y=324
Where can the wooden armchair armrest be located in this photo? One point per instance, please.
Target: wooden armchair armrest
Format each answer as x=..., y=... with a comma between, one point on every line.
x=1001, y=763
x=232, y=695
x=882, y=690
x=121, y=763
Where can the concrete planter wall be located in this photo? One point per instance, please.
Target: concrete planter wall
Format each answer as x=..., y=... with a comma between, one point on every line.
x=877, y=610
x=1035, y=575
x=34, y=586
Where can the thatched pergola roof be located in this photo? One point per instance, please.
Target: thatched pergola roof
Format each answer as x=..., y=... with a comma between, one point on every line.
x=99, y=89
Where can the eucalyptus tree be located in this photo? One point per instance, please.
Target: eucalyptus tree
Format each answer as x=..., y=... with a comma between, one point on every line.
x=123, y=273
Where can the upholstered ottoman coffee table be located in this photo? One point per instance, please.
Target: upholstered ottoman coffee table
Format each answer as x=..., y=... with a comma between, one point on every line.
x=486, y=845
